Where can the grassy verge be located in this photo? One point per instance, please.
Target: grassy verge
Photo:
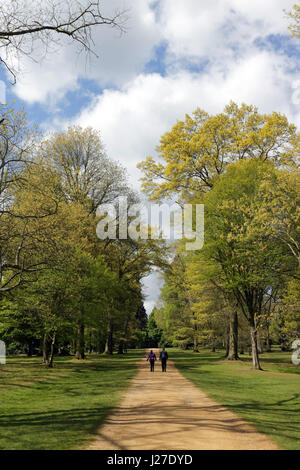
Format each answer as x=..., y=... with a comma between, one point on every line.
x=59, y=408
x=270, y=400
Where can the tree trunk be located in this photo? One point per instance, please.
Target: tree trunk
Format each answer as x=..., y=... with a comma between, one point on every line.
x=109, y=347
x=52, y=351
x=100, y=344
x=80, y=347
x=123, y=344
x=260, y=347
x=268, y=342
x=121, y=347
x=255, y=356
x=233, y=337
x=30, y=348
x=45, y=350
x=226, y=342
x=195, y=347
x=90, y=349
x=106, y=350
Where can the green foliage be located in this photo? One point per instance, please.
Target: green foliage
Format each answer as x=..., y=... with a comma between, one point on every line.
x=196, y=151
x=243, y=166
x=154, y=334
x=64, y=289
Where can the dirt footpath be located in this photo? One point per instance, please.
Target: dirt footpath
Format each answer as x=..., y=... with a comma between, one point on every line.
x=165, y=411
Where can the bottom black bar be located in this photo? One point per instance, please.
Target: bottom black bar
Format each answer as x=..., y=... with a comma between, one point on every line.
x=159, y=459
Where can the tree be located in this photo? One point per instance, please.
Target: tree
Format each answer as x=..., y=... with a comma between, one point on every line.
x=29, y=190
x=280, y=210
x=286, y=324
x=215, y=311
x=20, y=325
x=87, y=175
x=131, y=260
x=294, y=16
x=198, y=150
x=71, y=292
x=180, y=323
x=141, y=326
x=27, y=26
x=196, y=153
x=252, y=262
x=17, y=149
x=154, y=333
x=93, y=288
x=30, y=200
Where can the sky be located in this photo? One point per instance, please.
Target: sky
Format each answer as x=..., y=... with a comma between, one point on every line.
x=175, y=56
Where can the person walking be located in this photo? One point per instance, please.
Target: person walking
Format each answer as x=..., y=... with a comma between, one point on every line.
x=151, y=358
x=163, y=357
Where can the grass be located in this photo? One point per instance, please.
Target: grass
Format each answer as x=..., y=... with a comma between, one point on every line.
x=60, y=408
x=269, y=399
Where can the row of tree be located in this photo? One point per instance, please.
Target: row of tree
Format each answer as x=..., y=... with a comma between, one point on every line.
x=62, y=289
x=244, y=167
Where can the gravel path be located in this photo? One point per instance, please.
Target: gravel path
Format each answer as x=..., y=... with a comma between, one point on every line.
x=165, y=411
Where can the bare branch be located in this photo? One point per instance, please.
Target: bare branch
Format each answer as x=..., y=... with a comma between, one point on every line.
x=27, y=26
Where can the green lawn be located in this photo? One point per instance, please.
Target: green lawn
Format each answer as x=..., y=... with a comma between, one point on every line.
x=62, y=408
x=59, y=408
x=270, y=400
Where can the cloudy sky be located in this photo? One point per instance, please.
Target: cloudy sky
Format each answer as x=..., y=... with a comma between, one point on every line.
x=176, y=55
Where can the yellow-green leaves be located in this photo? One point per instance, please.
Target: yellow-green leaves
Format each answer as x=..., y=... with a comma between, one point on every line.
x=294, y=16
x=197, y=151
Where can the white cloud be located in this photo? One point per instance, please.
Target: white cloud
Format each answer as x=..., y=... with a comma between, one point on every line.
x=132, y=119
x=151, y=289
x=121, y=57
x=219, y=29
x=47, y=81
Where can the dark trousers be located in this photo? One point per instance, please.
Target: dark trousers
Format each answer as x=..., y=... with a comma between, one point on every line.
x=164, y=365
x=152, y=366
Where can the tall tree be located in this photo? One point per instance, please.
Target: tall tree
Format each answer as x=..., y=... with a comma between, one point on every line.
x=31, y=201
x=196, y=151
x=88, y=176
x=251, y=261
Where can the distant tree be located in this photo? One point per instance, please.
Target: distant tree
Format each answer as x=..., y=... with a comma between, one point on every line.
x=141, y=331
x=87, y=175
x=154, y=333
x=141, y=316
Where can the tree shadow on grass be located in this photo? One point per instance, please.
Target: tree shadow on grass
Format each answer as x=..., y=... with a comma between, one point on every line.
x=276, y=418
x=74, y=426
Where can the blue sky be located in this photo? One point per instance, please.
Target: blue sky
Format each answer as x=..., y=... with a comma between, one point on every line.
x=176, y=55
